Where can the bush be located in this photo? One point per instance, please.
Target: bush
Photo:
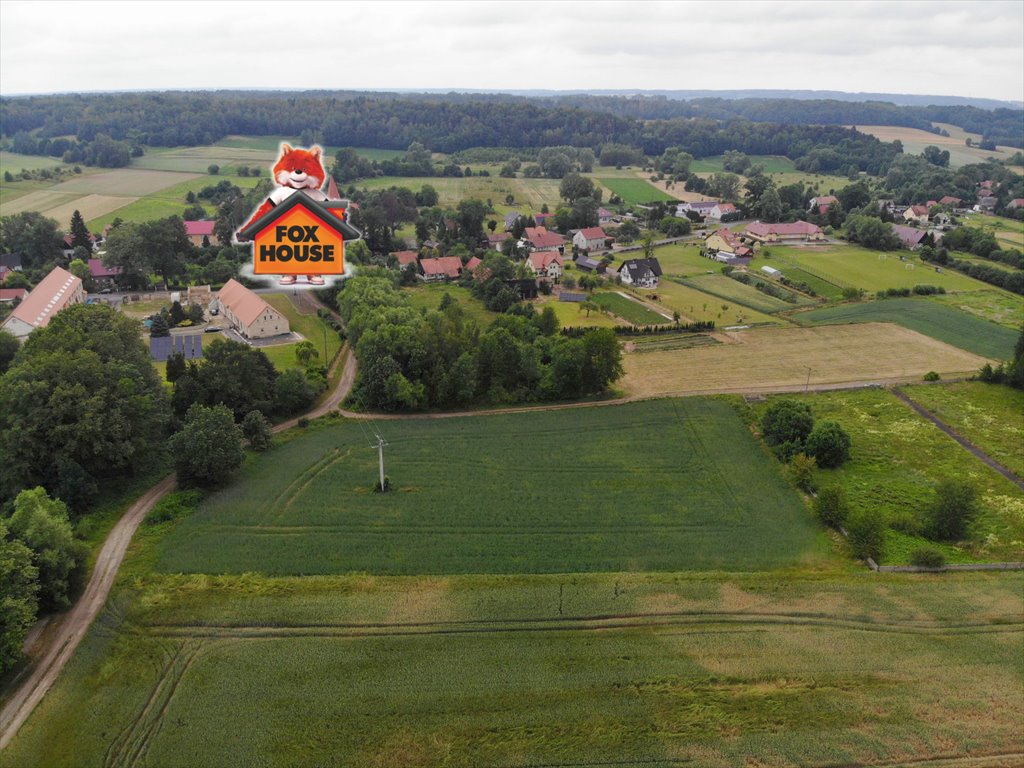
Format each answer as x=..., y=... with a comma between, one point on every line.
x=951, y=511
x=831, y=506
x=866, y=531
x=801, y=471
x=303, y=422
x=787, y=421
x=256, y=429
x=927, y=557
x=829, y=444
x=931, y=376
x=173, y=506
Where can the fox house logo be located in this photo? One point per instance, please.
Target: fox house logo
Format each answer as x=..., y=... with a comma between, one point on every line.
x=300, y=230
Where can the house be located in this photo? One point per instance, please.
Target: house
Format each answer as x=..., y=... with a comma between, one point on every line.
x=249, y=314
x=4, y=271
x=722, y=210
x=405, y=258
x=197, y=230
x=102, y=276
x=822, y=203
x=58, y=290
x=1013, y=205
x=440, y=269
x=11, y=261
x=604, y=216
x=472, y=264
x=702, y=208
x=986, y=204
x=794, y=232
x=9, y=295
x=590, y=239
x=587, y=264
x=496, y=240
x=642, y=273
x=916, y=214
x=725, y=244
x=539, y=239
x=545, y=264
x=909, y=236
x=69, y=249
x=952, y=202
x=942, y=220
x=510, y=219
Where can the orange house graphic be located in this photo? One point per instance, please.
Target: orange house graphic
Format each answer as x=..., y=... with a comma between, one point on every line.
x=300, y=236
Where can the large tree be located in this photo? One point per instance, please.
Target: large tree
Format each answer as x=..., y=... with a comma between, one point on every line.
x=34, y=236
x=19, y=586
x=209, y=447
x=231, y=374
x=80, y=237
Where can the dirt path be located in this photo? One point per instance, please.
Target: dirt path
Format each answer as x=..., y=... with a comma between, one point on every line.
x=964, y=442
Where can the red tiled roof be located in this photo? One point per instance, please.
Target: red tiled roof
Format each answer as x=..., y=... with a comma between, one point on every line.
x=199, y=228
x=539, y=237
x=243, y=303
x=726, y=207
x=48, y=298
x=473, y=263
x=593, y=233
x=1017, y=202
x=919, y=210
x=10, y=294
x=541, y=260
x=450, y=266
x=908, y=235
x=406, y=257
x=96, y=269
x=69, y=238
x=949, y=200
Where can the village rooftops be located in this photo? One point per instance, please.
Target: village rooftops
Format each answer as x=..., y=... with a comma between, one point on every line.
x=909, y=237
x=406, y=257
x=449, y=266
x=56, y=291
x=98, y=271
x=539, y=237
x=243, y=303
x=199, y=228
x=593, y=233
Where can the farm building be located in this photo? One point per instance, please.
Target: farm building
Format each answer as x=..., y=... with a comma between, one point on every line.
x=249, y=314
x=539, y=239
x=545, y=264
x=952, y=202
x=1017, y=202
x=197, y=230
x=102, y=276
x=496, y=240
x=708, y=209
x=10, y=295
x=725, y=244
x=439, y=269
x=909, y=236
x=56, y=291
x=11, y=261
x=916, y=214
x=472, y=264
x=587, y=264
x=795, y=232
x=642, y=273
x=604, y=216
x=590, y=239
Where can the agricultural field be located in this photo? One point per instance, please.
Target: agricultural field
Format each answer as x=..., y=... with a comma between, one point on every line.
x=306, y=323
x=1009, y=233
x=915, y=140
x=778, y=358
x=646, y=491
x=15, y=163
x=610, y=669
x=897, y=458
x=733, y=290
x=629, y=310
x=1001, y=307
x=664, y=342
x=429, y=297
x=934, y=319
x=635, y=191
x=271, y=144
x=696, y=305
x=989, y=415
x=772, y=164
x=853, y=266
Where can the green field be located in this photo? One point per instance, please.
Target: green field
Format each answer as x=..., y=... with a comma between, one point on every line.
x=851, y=265
x=897, y=457
x=624, y=501
x=823, y=288
x=997, y=306
x=989, y=415
x=309, y=325
x=635, y=191
x=528, y=194
x=15, y=163
x=685, y=260
x=931, y=318
x=570, y=314
x=734, y=291
x=697, y=305
x=628, y=310
x=1008, y=232
x=771, y=163
x=271, y=144
x=429, y=297
x=169, y=201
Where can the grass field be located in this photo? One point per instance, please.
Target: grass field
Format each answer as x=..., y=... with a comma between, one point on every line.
x=772, y=358
x=1001, y=307
x=915, y=140
x=1008, y=232
x=897, y=457
x=771, y=163
x=851, y=265
x=931, y=318
x=15, y=163
x=529, y=194
x=634, y=191
x=570, y=314
x=270, y=144
x=429, y=297
x=989, y=415
x=684, y=260
x=309, y=325
x=732, y=290
x=470, y=499
x=628, y=310
x=697, y=305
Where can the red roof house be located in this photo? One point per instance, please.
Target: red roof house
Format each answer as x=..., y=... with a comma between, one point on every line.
x=796, y=231
x=405, y=258
x=197, y=230
x=539, y=239
x=443, y=268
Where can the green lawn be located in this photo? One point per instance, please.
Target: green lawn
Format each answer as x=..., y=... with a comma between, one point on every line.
x=931, y=318
x=15, y=163
x=471, y=498
x=897, y=458
x=771, y=163
x=570, y=314
x=734, y=291
x=635, y=191
x=309, y=325
x=697, y=305
x=528, y=194
x=685, y=260
x=429, y=297
x=1009, y=232
x=628, y=310
x=989, y=415
x=272, y=143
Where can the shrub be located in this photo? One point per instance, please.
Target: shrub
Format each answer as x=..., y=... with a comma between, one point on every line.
x=829, y=444
x=801, y=471
x=831, y=506
x=931, y=376
x=256, y=429
x=787, y=421
x=173, y=505
x=303, y=422
x=866, y=531
x=952, y=510
x=927, y=557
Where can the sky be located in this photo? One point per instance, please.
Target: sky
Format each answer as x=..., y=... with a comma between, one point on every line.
x=971, y=49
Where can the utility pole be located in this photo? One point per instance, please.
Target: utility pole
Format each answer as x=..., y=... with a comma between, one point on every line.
x=808, y=384
x=380, y=453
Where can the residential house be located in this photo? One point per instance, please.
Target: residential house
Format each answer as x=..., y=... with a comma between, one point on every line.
x=11, y=261
x=69, y=250
x=496, y=240
x=986, y=204
x=545, y=264
x=103, y=277
x=10, y=295
x=793, y=232
x=916, y=214
x=249, y=314
x=58, y=290
x=197, y=230
x=472, y=264
x=590, y=239
x=1013, y=205
x=702, y=208
x=604, y=216
x=724, y=244
x=510, y=219
x=440, y=269
x=539, y=239
x=952, y=202
x=909, y=236
x=641, y=273
x=4, y=271
x=722, y=210
x=405, y=258
x=587, y=264
x=822, y=203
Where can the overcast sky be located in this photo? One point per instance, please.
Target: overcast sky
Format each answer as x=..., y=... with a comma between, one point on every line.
x=947, y=48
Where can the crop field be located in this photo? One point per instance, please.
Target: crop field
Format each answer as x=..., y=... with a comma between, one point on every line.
x=469, y=498
x=697, y=305
x=733, y=290
x=778, y=358
x=429, y=297
x=634, y=191
x=997, y=306
x=915, y=140
x=15, y=163
x=897, y=457
x=940, y=321
x=271, y=144
x=616, y=669
x=629, y=310
x=989, y=415
x=851, y=265
x=771, y=163
x=820, y=286
x=199, y=159
x=664, y=342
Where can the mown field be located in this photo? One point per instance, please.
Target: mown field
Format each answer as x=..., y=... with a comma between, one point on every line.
x=746, y=294
x=1008, y=232
x=990, y=416
x=684, y=260
x=634, y=191
x=637, y=487
x=772, y=358
x=938, y=320
x=897, y=458
x=528, y=194
x=570, y=314
x=629, y=310
x=915, y=140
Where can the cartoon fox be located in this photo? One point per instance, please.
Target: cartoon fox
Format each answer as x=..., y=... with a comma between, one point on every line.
x=296, y=170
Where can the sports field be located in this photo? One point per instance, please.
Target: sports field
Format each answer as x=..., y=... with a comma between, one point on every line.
x=635, y=191
x=940, y=321
x=778, y=358
x=667, y=485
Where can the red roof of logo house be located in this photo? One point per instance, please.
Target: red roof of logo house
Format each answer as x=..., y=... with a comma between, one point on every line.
x=322, y=210
x=199, y=228
x=449, y=266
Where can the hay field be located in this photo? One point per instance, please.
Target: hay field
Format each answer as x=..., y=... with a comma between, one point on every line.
x=198, y=159
x=768, y=359
x=915, y=140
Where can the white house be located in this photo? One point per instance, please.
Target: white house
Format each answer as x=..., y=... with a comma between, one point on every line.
x=590, y=239
x=249, y=314
x=545, y=264
x=642, y=273
x=58, y=290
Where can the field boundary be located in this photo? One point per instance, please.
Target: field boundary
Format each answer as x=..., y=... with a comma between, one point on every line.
x=952, y=567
